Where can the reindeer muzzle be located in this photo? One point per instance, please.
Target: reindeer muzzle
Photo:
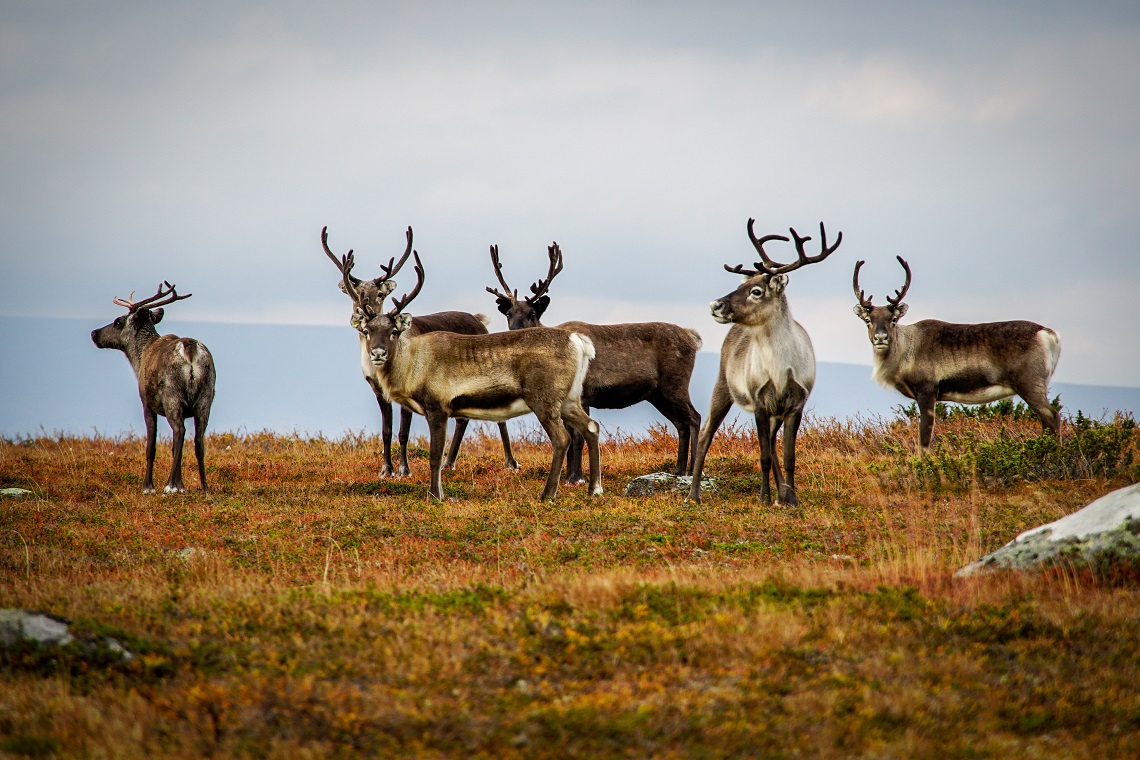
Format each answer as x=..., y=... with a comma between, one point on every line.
x=720, y=311
x=379, y=356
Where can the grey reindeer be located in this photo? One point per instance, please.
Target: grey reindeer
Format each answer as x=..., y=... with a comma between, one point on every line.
x=931, y=361
x=175, y=375
x=767, y=363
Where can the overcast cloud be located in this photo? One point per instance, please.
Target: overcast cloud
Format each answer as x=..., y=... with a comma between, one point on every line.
x=993, y=145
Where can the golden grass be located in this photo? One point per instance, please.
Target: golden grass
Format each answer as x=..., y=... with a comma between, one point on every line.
x=303, y=607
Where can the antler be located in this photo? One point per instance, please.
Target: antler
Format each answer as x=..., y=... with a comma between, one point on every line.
x=899, y=294
x=350, y=283
x=864, y=301
x=758, y=244
x=154, y=301
x=390, y=270
x=338, y=263
x=399, y=303
x=801, y=256
x=514, y=294
x=554, y=253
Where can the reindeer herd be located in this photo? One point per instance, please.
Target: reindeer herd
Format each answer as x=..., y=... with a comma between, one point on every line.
x=448, y=365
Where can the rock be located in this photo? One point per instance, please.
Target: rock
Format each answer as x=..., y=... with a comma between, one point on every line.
x=1106, y=532
x=665, y=482
x=50, y=631
x=14, y=493
x=16, y=625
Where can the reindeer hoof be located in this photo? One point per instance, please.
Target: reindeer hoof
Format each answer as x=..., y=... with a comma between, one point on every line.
x=173, y=489
x=513, y=466
x=148, y=490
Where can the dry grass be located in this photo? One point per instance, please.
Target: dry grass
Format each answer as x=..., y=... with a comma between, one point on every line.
x=324, y=612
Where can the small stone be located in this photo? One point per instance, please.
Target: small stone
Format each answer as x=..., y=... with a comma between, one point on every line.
x=15, y=493
x=665, y=482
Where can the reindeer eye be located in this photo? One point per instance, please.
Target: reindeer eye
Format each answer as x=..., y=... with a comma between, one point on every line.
x=120, y=321
x=757, y=292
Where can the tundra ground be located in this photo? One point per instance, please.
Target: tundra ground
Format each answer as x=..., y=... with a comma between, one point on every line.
x=305, y=608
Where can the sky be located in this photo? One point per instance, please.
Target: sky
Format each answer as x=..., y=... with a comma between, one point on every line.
x=993, y=145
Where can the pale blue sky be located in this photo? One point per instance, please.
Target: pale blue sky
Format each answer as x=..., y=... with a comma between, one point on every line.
x=991, y=144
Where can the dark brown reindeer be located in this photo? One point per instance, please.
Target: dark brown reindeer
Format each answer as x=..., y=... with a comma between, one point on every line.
x=767, y=363
x=373, y=292
x=175, y=375
x=646, y=361
x=931, y=361
x=485, y=377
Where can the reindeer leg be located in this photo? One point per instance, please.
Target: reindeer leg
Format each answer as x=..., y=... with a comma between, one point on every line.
x=387, y=469
x=404, y=470
x=1038, y=401
x=178, y=427
x=574, y=453
x=764, y=434
x=437, y=432
x=510, y=458
x=587, y=429
x=551, y=421
x=456, y=440
x=926, y=400
x=791, y=430
x=201, y=419
x=718, y=410
x=150, y=418
x=684, y=416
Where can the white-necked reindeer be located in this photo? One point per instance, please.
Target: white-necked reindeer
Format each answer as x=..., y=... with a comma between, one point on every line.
x=373, y=292
x=175, y=376
x=482, y=377
x=931, y=361
x=767, y=364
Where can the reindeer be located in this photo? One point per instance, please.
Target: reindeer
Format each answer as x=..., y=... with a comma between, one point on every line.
x=648, y=361
x=373, y=292
x=486, y=377
x=767, y=364
x=931, y=361
x=175, y=376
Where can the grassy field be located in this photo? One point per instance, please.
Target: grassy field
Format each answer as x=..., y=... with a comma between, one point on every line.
x=304, y=608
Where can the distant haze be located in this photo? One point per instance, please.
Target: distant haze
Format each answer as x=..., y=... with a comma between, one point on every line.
x=306, y=380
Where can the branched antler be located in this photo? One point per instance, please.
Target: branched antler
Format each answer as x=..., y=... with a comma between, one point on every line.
x=170, y=296
x=513, y=296
x=864, y=301
x=398, y=304
x=554, y=253
x=899, y=294
x=767, y=266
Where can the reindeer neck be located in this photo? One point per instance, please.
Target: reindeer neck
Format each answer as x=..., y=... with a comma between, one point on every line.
x=138, y=346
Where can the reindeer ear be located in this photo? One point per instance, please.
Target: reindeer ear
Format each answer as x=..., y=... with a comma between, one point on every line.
x=155, y=316
x=385, y=287
x=504, y=305
x=539, y=305
x=402, y=322
x=777, y=284
x=861, y=312
x=899, y=311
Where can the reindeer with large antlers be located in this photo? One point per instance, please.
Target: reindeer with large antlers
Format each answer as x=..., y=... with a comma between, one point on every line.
x=175, y=376
x=646, y=361
x=372, y=293
x=484, y=377
x=767, y=363
x=931, y=361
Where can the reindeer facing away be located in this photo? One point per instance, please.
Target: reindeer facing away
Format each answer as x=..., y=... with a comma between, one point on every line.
x=373, y=292
x=931, y=361
x=485, y=377
x=175, y=376
x=767, y=363
x=647, y=361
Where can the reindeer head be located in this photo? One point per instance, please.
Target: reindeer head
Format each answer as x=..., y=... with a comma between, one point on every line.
x=139, y=321
x=374, y=291
x=760, y=298
x=381, y=330
x=528, y=311
x=881, y=320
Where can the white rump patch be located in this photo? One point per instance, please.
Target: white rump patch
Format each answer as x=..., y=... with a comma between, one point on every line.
x=592, y=427
x=584, y=347
x=484, y=319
